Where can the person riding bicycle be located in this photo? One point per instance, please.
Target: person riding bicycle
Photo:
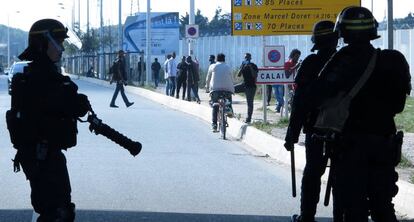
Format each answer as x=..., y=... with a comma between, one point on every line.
x=219, y=81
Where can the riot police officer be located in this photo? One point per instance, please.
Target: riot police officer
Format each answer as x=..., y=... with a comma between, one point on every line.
x=325, y=41
x=42, y=121
x=367, y=147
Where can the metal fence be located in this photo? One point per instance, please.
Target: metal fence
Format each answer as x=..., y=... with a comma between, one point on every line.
x=234, y=48
x=80, y=64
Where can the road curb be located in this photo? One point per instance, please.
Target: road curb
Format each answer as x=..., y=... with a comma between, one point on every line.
x=256, y=139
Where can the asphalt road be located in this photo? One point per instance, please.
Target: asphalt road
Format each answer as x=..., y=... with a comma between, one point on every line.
x=184, y=172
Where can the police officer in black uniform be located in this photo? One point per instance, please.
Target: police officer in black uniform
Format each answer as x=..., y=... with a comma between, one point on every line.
x=42, y=121
x=368, y=147
x=325, y=41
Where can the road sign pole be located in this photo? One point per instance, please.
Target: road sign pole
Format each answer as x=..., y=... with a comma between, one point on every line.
x=191, y=21
x=264, y=86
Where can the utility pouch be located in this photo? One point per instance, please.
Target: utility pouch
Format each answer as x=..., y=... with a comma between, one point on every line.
x=398, y=141
x=13, y=125
x=21, y=132
x=41, y=151
x=334, y=113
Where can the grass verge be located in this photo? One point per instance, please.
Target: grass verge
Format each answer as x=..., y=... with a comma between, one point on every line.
x=405, y=162
x=405, y=120
x=267, y=127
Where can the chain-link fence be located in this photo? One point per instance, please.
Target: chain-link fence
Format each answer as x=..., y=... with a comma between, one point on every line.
x=82, y=64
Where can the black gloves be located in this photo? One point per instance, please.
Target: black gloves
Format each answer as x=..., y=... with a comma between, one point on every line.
x=84, y=104
x=289, y=146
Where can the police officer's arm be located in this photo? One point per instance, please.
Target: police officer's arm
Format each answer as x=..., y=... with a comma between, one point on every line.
x=400, y=79
x=299, y=111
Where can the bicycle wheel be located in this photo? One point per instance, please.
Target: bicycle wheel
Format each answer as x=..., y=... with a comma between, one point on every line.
x=223, y=122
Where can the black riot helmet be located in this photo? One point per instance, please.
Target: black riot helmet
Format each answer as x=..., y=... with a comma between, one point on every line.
x=356, y=24
x=324, y=35
x=42, y=32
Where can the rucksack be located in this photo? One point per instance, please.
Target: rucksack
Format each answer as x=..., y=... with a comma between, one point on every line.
x=24, y=125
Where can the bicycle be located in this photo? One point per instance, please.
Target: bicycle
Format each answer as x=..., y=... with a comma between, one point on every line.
x=223, y=104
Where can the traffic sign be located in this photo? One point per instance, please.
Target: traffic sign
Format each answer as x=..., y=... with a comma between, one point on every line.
x=283, y=17
x=273, y=76
x=274, y=56
x=191, y=31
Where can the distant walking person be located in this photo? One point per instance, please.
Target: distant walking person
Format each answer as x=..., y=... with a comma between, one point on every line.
x=192, y=79
x=155, y=68
x=172, y=74
x=181, y=77
x=290, y=69
x=249, y=72
x=119, y=76
x=212, y=59
x=141, y=70
x=167, y=83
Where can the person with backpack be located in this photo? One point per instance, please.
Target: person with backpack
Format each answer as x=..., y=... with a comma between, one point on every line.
x=120, y=77
x=325, y=41
x=249, y=72
x=182, y=68
x=42, y=121
x=357, y=115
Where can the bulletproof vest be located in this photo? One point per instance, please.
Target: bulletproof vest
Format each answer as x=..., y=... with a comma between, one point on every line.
x=29, y=123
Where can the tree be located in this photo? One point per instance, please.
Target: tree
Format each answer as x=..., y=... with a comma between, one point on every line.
x=221, y=23
x=90, y=42
x=200, y=20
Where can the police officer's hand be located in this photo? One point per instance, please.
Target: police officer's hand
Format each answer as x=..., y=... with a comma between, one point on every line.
x=84, y=104
x=289, y=146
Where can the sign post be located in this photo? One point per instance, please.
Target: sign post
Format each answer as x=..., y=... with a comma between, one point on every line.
x=281, y=17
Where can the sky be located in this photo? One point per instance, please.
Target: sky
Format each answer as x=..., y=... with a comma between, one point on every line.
x=22, y=13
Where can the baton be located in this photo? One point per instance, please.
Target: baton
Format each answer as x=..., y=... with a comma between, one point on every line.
x=292, y=167
x=329, y=183
x=328, y=189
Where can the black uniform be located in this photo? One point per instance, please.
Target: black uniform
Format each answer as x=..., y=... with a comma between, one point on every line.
x=300, y=117
x=365, y=175
x=42, y=122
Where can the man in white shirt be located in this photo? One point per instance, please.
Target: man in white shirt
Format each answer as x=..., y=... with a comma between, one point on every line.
x=172, y=74
x=219, y=81
x=167, y=83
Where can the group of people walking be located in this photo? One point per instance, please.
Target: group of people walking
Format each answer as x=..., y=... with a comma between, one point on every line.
x=183, y=75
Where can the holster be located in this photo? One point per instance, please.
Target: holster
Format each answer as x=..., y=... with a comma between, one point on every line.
x=397, y=145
